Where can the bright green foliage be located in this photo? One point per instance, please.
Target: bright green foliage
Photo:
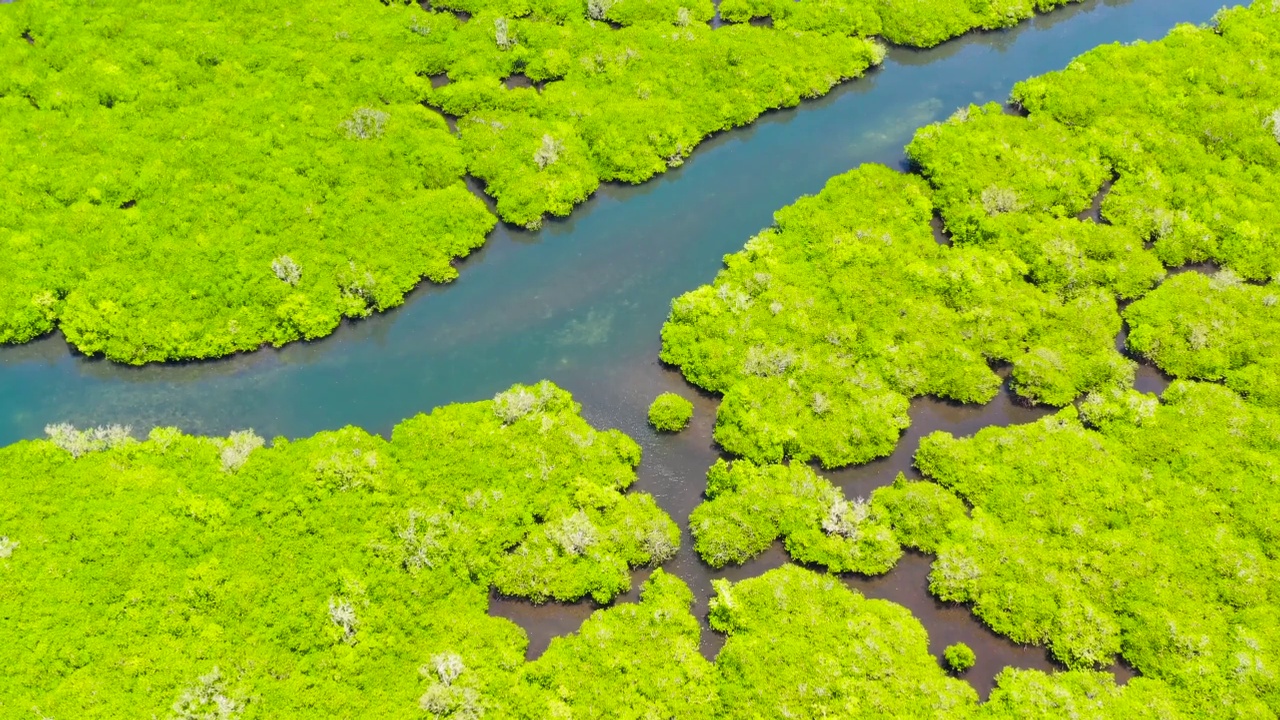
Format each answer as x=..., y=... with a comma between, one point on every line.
x=959, y=657
x=1215, y=328
x=829, y=17
x=921, y=514
x=631, y=661
x=823, y=327
x=192, y=180
x=1016, y=184
x=1188, y=126
x=919, y=23
x=318, y=574
x=986, y=164
x=619, y=104
x=670, y=412
x=1081, y=694
x=803, y=645
x=1153, y=535
x=748, y=507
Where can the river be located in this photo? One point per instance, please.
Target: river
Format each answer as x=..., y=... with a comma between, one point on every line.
x=581, y=303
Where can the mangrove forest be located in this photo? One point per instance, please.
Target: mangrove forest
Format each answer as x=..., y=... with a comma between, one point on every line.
x=1037, y=360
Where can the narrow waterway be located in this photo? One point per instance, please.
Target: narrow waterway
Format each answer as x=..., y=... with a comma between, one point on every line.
x=582, y=301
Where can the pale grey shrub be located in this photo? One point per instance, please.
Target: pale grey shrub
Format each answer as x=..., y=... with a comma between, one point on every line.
x=419, y=541
x=237, y=447
x=81, y=442
x=574, y=534
x=502, y=34
x=597, y=9
x=659, y=546
x=444, y=698
x=348, y=469
x=365, y=123
x=821, y=405
x=207, y=700
x=998, y=200
x=845, y=518
x=549, y=152
x=461, y=703
x=286, y=270
x=954, y=575
x=343, y=614
x=7, y=546
x=1274, y=123
x=448, y=666
x=767, y=363
x=513, y=404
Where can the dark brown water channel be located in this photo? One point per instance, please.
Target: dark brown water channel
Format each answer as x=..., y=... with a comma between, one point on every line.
x=674, y=470
x=582, y=301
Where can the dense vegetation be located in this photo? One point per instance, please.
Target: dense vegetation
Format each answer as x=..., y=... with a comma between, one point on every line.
x=619, y=103
x=185, y=180
x=194, y=181
x=802, y=645
x=919, y=23
x=1216, y=328
x=820, y=330
x=670, y=413
x=189, y=181
x=346, y=575
x=317, y=574
x=749, y=507
x=1135, y=527
x=1189, y=128
x=1139, y=527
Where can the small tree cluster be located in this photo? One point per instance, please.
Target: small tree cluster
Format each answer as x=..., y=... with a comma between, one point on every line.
x=286, y=270
x=80, y=442
x=670, y=412
x=365, y=123
x=959, y=657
